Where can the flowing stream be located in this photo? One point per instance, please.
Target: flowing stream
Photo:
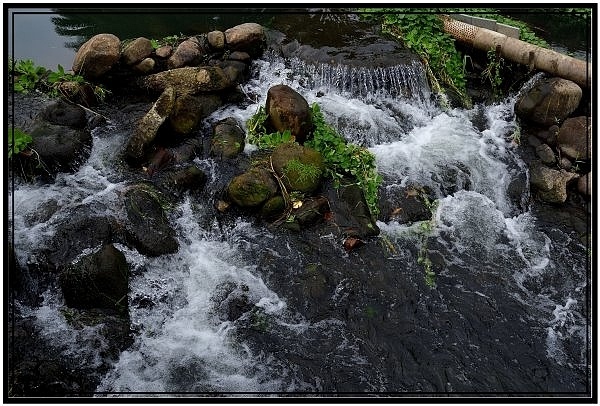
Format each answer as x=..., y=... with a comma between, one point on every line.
x=507, y=311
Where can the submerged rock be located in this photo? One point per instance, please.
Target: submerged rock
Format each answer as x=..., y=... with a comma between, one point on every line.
x=148, y=228
x=99, y=280
x=228, y=139
x=179, y=180
x=403, y=204
x=351, y=214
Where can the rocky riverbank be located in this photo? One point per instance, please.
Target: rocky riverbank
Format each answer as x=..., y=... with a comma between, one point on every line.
x=162, y=96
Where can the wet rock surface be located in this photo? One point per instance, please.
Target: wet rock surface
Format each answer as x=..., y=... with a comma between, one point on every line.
x=362, y=307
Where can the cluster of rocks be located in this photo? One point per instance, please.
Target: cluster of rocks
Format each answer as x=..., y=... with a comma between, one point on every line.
x=286, y=186
x=105, y=52
x=562, y=142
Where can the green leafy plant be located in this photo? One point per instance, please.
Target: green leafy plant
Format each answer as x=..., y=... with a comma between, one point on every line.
x=171, y=40
x=61, y=76
x=343, y=158
x=26, y=75
x=18, y=141
x=258, y=135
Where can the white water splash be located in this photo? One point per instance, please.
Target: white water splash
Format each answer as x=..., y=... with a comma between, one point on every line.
x=179, y=334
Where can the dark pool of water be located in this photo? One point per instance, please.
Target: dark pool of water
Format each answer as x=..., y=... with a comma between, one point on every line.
x=51, y=36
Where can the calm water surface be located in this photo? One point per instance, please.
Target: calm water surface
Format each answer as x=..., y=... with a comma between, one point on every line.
x=52, y=36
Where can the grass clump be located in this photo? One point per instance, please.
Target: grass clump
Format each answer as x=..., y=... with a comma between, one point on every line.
x=303, y=172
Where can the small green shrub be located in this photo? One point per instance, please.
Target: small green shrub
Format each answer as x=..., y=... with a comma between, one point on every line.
x=18, y=141
x=342, y=158
x=26, y=76
x=257, y=132
x=493, y=72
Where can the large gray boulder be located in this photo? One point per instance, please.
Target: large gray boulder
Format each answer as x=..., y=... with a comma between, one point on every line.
x=60, y=137
x=97, y=56
x=136, y=51
x=549, y=101
x=188, y=53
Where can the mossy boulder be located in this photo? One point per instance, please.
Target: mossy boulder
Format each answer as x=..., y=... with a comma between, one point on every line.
x=189, y=110
x=252, y=188
x=273, y=208
x=301, y=168
x=228, y=139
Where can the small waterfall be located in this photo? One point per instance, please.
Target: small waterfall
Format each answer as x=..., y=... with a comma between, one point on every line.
x=369, y=83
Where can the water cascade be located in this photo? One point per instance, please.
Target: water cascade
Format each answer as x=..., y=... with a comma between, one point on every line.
x=506, y=312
